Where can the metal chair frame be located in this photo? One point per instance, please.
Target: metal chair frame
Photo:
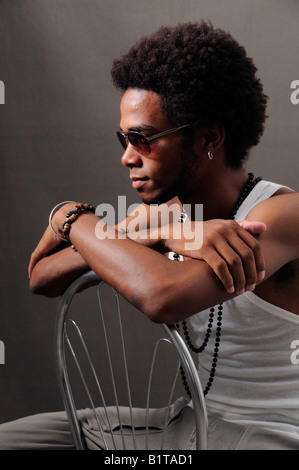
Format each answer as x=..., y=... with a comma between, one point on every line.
x=171, y=336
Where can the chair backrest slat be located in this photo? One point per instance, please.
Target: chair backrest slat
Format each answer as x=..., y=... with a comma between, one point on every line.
x=115, y=434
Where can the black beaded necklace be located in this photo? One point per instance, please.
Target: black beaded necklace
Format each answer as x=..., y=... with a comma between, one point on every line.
x=248, y=187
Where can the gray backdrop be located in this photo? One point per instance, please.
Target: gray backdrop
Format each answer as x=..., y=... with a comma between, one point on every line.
x=57, y=139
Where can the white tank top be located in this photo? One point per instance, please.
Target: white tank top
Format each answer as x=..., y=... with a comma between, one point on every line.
x=256, y=378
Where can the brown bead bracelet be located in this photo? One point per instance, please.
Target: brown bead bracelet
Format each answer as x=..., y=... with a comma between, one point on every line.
x=72, y=216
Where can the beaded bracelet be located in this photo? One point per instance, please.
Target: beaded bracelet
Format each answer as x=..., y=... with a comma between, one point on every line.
x=73, y=215
x=70, y=217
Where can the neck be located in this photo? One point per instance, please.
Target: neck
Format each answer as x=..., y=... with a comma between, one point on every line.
x=218, y=194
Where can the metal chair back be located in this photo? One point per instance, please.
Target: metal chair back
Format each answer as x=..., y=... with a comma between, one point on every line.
x=110, y=318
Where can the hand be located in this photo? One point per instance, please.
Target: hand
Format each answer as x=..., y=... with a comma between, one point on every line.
x=47, y=243
x=229, y=248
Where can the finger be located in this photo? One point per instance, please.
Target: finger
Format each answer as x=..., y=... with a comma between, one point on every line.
x=246, y=261
x=253, y=227
x=37, y=254
x=220, y=268
x=32, y=263
x=255, y=246
x=240, y=262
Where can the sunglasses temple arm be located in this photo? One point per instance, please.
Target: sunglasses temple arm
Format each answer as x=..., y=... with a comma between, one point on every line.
x=167, y=132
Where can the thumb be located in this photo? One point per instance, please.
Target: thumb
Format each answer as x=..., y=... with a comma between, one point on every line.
x=253, y=227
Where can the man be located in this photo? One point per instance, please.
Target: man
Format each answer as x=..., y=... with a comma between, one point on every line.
x=191, y=109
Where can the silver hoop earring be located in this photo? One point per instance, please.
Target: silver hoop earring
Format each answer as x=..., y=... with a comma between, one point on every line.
x=210, y=155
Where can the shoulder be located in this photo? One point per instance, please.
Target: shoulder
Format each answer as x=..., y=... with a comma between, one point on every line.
x=284, y=204
x=280, y=213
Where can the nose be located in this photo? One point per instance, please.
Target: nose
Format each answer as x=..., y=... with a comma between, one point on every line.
x=131, y=157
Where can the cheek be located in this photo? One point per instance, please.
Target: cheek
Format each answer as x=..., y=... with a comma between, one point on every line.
x=167, y=158
x=166, y=175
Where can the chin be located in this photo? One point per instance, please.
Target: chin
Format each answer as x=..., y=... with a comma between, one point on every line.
x=158, y=198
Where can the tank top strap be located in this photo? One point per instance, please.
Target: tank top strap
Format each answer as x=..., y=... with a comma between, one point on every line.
x=263, y=190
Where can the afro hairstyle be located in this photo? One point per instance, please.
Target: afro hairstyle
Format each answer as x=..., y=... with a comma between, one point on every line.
x=203, y=77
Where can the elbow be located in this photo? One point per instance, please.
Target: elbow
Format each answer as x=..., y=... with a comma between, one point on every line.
x=159, y=304
x=45, y=281
x=158, y=315
x=39, y=289
x=160, y=312
x=38, y=286
x=34, y=287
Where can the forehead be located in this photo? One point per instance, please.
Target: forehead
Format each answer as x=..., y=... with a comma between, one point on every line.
x=139, y=107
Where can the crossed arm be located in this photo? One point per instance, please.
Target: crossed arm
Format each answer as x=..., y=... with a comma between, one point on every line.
x=230, y=251
x=164, y=290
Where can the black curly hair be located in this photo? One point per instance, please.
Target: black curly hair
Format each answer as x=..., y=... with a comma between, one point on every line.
x=203, y=77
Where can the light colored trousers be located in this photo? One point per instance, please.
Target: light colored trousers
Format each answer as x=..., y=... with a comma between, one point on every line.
x=51, y=431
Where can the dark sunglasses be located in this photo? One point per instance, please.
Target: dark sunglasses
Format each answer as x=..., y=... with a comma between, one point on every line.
x=139, y=141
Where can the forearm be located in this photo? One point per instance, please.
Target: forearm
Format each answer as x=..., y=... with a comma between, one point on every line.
x=164, y=290
x=53, y=273
x=126, y=265
x=53, y=266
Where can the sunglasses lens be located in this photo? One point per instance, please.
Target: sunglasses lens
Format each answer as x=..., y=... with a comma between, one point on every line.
x=122, y=139
x=139, y=142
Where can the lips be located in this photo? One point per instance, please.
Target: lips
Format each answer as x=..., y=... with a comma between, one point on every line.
x=138, y=182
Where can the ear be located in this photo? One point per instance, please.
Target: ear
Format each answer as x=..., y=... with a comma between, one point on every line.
x=214, y=137
x=209, y=138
